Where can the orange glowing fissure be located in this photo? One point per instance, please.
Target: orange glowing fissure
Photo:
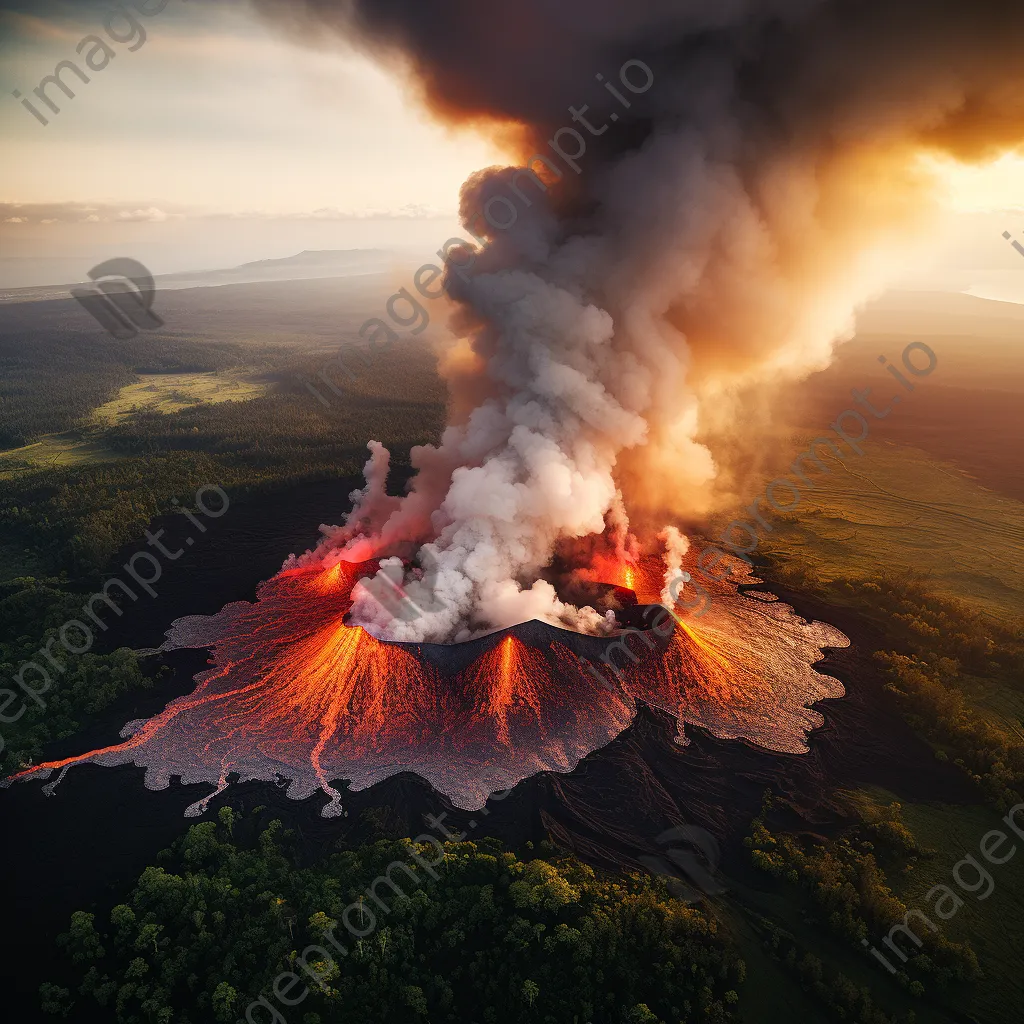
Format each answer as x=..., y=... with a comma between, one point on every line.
x=644, y=576
x=296, y=696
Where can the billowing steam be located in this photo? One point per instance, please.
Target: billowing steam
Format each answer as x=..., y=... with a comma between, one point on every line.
x=739, y=176
x=676, y=546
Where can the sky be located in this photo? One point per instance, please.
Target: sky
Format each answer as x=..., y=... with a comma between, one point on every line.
x=216, y=141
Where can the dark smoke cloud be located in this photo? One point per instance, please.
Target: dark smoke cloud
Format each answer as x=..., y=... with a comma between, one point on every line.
x=523, y=60
x=798, y=64
x=718, y=235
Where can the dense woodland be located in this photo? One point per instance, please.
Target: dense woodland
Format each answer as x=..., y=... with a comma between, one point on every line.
x=494, y=938
x=31, y=612
x=76, y=517
x=51, y=382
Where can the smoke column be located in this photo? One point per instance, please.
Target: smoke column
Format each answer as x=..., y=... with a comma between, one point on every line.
x=751, y=174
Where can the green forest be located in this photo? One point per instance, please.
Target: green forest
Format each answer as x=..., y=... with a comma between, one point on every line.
x=75, y=517
x=494, y=938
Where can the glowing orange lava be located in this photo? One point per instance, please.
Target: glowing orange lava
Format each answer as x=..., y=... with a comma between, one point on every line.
x=294, y=694
x=644, y=577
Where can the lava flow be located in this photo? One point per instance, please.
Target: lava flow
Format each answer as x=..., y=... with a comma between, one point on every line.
x=296, y=694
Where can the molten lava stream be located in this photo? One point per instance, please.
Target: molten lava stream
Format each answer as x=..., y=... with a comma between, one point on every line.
x=296, y=694
x=742, y=668
x=506, y=686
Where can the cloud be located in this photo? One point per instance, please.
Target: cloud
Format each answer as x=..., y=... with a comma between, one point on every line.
x=161, y=213
x=34, y=28
x=82, y=213
x=152, y=215
x=412, y=211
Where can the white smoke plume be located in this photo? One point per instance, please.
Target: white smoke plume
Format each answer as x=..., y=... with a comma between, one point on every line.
x=717, y=235
x=676, y=546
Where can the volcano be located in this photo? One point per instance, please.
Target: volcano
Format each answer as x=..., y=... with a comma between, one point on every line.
x=297, y=694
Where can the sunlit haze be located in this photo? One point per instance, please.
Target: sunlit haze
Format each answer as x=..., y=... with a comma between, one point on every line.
x=218, y=141
x=215, y=142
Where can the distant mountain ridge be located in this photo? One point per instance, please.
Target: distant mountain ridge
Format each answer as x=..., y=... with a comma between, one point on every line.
x=307, y=265
x=321, y=257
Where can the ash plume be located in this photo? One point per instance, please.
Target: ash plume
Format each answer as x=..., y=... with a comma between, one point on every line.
x=715, y=238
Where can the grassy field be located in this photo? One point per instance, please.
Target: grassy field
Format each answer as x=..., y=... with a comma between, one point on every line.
x=995, y=926
x=72, y=448
x=172, y=392
x=155, y=392
x=900, y=509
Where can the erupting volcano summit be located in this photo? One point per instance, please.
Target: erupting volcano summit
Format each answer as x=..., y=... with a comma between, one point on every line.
x=297, y=694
